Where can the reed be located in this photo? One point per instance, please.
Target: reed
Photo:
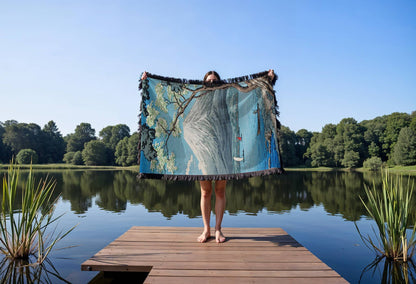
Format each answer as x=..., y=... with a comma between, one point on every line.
x=27, y=232
x=391, y=209
x=21, y=271
x=392, y=271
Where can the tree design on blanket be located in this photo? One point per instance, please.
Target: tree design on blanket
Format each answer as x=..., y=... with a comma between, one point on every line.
x=200, y=116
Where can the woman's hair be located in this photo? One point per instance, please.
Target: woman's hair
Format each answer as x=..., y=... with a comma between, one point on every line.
x=212, y=73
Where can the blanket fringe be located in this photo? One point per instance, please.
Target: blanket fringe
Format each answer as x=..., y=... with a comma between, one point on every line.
x=274, y=171
x=200, y=82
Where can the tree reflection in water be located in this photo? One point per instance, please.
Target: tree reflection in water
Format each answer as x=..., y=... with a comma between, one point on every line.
x=337, y=192
x=19, y=271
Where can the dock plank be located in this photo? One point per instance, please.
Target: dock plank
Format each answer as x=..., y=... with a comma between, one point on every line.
x=250, y=255
x=240, y=280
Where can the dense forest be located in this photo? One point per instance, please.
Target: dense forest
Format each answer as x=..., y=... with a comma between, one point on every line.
x=389, y=139
x=29, y=142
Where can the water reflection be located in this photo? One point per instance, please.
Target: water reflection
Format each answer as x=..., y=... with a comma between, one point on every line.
x=391, y=271
x=338, y=192
x=20, y=271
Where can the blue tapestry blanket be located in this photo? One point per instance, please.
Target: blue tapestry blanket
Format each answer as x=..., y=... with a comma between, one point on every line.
x=191, y=130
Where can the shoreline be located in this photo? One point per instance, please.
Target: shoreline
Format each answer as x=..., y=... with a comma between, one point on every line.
x=411, y=170
x=70, y=167
x=397, y=169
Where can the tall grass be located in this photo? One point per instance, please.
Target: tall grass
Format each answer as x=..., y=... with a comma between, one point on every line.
x=27, y=231
x=391, y=209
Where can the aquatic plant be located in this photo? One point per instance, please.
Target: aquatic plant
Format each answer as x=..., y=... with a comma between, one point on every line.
x=390, y=207
x=28, y=231
x=21, y=271
x=392, y=271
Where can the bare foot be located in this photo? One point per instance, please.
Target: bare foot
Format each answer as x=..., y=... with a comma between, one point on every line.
x=219, y=237
x=204, y=237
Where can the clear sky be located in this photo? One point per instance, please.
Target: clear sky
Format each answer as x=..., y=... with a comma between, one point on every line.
x=76, y=61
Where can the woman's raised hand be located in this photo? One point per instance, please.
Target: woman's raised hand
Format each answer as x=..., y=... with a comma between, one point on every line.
x=144, y=75
x=271, y=74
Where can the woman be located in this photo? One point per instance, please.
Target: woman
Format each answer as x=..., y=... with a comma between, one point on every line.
x=206, y=191
x=220, y=185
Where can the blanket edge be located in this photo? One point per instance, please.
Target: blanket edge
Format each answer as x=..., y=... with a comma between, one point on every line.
x=273, y=171
x=200, y=82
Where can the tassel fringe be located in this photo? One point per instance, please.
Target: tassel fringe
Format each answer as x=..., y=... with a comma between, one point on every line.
x=275, y=171
x=200, y=82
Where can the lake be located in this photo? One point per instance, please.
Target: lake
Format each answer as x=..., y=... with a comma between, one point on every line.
x=317, y=208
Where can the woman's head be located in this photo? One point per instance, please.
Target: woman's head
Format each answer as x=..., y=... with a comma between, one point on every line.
x=211, y=76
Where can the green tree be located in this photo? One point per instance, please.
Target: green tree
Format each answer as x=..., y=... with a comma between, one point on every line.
x=369, y=138
x=413, y=121
x=106, y=134
x=374, y=149
x=127, y=150
x=287, y=139
x=327, y=139
x=322, y=147
x=133, y=149
x=350, y=138
x=404, y=152
x=5, y=152
x=47, y=142
x=83, y=133
x=53, y=143
x=122, y=152
x=395, y=122
x=111, y=135
x=374, y=136
x=373, y=163
x=351, y=159
x=20, y=136
x=27, y=156
x=77, y=159
x=329, y=131
x=303, y=140
x=320, y=155
x=68, y=157
x=73, y=158
x=96, y=153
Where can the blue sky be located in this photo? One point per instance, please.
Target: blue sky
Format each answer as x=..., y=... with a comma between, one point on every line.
x=79, y=61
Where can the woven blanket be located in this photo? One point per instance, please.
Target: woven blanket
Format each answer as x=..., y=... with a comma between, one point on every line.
x=191, y=130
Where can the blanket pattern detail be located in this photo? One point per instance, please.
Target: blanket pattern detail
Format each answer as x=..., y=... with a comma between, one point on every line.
x=195, y=131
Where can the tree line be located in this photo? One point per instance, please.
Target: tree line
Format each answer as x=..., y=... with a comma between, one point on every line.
x=29, y=143
x=389, y=139
x=339, y=193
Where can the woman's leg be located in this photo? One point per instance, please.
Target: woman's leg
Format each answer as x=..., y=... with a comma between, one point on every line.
x=219, y=209
x=206, y=191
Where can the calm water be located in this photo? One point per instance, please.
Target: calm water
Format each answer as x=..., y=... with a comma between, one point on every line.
x=317, y=208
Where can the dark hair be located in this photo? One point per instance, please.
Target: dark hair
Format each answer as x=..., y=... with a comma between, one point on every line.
x=212, y=73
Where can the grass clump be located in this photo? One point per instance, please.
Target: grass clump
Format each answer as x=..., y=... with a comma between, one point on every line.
x=391, y=209
x=27, y=232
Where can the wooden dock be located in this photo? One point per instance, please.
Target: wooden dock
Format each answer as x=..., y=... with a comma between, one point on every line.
x=250, y=255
